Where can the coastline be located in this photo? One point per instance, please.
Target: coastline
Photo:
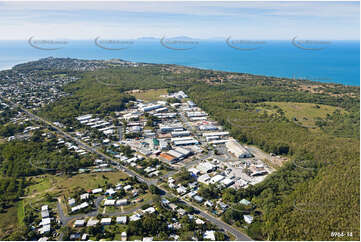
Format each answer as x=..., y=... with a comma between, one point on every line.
x=325, y=82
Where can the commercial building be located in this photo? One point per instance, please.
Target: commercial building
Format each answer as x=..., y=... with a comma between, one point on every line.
x=227, y=182
x=186, y=142
x=151, y=107
x=191, y=104
x=237, y=150
x=169, y=128
x=196, y=114
x=176, y=154
x=197, y=118
x=180, y=133
x=183, y=151
x=181, y=139
x=168, y=158
x=208, y=134
x=84, y=117
x=204, y=178
x=206, y=167
x=216, y=179
x=211, y=138
x=207, y=128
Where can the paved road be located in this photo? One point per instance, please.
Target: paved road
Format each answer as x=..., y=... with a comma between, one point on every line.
x=212, y=219
x=66, y=219
x=226, y=227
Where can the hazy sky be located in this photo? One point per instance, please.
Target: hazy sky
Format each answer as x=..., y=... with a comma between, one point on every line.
x=246, y=20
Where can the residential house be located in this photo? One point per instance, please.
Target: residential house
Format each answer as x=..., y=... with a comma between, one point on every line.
x=198, y=198
x=248, y=218
x=106, y=221
x=84, y=196
x=71, y=202
x=92, y=222
x=135, y=217
x=109, y=202
x=181, y=211
x=122, y=220
x=209, y=235
x=199, y=221
x=97, y=190
x=122, y=202
x=245, y=202
x=79, y=223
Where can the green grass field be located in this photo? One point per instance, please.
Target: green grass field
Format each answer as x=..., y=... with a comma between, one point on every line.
x=20, y=212
x=65, y=186
x=150, y=95
x=305, y=113
x=87, y=180
x=41, y=184
x=9, y=221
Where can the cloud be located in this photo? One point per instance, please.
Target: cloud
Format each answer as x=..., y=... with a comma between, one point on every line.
x=271, y=20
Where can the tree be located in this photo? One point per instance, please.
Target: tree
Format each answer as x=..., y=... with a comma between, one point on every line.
x=219, y=236
x=154, y=190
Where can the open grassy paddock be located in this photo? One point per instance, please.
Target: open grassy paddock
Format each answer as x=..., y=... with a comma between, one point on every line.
x=305, y=113
x=9, y=221
x=149, y=95
x=60, y=186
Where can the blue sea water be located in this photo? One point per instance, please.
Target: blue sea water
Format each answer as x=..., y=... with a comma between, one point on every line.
x=338, y=62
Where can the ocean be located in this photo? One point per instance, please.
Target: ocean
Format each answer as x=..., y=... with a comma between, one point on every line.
x=335, y=62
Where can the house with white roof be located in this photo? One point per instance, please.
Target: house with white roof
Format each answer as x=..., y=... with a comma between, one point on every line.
x=84, y=237
x=79, y=223
x=109, y=202
x=181, y=190
x=148, y=239
x=97, y=190
x=209, y=235
x=181, y=211
x=248, y=218
x=135, y=217
x=121, y=220
x=127, y=188
x=208, y=203
x=245, y=202
x=199, y=221
x=198, y=198
x=110, y=192
x=106, y=221
x=71, y=202
x=45, y=214
x=45, y=229
x=45, y=221
x=122, y=202
x=124, y=236
x=92, y=222
x=149, y=210
x=84, y=196
x=173, y=206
